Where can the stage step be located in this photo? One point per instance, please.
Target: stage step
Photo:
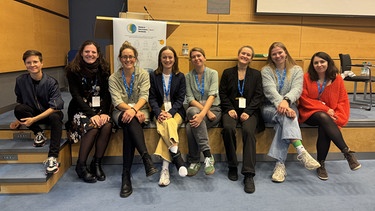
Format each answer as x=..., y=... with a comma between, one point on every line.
x=21, y=165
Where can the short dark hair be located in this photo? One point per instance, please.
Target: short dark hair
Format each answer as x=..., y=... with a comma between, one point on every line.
x=29, y=53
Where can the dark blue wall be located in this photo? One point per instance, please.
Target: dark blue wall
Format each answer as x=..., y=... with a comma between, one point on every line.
x=82, y=15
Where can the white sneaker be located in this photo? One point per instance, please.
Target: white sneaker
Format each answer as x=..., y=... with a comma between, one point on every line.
x=40, y=139
x=52, y=166
x=279, y=173
x=164, y=178
x=182, y=171
x=309, y=162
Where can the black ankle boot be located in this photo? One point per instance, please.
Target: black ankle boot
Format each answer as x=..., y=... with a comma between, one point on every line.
x=177, y=160
x=96, y=169
x=149, y=165
x=126, y=186
x=84, y=174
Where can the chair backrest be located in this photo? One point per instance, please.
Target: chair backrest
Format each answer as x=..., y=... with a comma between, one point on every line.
x=345, y=62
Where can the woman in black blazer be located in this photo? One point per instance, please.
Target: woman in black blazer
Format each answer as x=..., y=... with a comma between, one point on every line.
x=166, y=97
x=241, y=96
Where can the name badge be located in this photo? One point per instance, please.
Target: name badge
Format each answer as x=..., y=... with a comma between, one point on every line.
x=167, y=106
x=131, y=104
x=95, y=101
x=242, y=102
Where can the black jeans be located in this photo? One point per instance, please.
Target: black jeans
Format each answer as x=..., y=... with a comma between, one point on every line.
x=133, y=137
x=248, y=138
x=54, y=120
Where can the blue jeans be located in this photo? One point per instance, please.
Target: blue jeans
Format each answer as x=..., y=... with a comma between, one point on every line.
x=286, y=129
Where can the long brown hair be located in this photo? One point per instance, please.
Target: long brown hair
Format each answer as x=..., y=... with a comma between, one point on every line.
x=175, y=68
x=75, y=64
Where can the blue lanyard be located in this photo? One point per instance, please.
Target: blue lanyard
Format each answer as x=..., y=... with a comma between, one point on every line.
x=322, y=87
x=129, y=90
x=280, y=79
x=241, y=88
x=200, y=86
x=167, y=89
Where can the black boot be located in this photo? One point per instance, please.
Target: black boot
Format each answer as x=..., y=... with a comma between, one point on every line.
x=126, y=186
x=177, y=159
x=352, y=160
x=96, y=169
x=149, y=165
x=84, y=174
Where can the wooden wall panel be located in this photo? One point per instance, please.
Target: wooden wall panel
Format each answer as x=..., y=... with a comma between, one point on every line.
x=196, y=35
x=232, y=36
x=58, y=6
x=359, y=41
x=191, y=10
x=24, y=27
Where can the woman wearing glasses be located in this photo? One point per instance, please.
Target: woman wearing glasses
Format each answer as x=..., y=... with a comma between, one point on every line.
x=129, y=90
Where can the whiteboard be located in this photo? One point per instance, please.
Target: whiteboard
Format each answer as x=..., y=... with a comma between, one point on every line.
x=316, y=7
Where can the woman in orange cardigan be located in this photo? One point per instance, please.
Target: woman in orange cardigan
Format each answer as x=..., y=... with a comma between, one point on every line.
x=324, y=103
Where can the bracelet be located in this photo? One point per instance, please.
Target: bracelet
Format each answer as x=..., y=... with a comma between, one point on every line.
x=134, y=109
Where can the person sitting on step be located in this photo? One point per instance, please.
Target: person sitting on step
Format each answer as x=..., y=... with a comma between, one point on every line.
x=39, y=102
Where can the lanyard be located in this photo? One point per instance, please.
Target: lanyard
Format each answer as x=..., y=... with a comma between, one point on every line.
x=321, y=88
x=167, y=89
x=129, y=90
x=280, y=79
x=200, y=86
x=241, y=88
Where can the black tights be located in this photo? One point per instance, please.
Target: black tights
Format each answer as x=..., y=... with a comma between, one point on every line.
x=100, y=136
x=327, y=131
x=133, y=138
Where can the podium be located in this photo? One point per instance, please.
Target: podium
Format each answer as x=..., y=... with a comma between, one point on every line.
x=104, y=30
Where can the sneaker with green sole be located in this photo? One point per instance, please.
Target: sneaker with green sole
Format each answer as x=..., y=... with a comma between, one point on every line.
x=209, y=165
x=193, y=169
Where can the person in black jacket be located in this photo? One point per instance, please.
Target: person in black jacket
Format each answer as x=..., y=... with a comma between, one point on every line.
x=241, y=96
x=39, y=102
x=89, y=110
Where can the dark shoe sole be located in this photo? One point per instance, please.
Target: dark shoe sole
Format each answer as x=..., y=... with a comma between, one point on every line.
x=126, y=194
x=151, y=172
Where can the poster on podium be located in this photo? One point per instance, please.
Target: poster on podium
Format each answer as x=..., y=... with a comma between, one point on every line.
x=148, y=37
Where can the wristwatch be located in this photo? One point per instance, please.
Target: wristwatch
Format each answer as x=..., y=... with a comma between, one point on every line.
x=287, y=100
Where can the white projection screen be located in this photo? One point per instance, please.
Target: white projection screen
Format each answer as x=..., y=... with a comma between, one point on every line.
x=316, y=7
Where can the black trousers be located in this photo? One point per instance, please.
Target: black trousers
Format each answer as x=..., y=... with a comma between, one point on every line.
x=248, y=138
x=54, y=120
x=133, y=138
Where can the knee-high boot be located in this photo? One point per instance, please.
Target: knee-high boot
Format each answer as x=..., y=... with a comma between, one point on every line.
x=96, y=169
x=149, y=165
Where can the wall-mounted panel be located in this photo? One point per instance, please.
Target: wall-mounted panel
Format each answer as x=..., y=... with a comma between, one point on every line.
x=232, y=36
x=191, y=10
x=196, y=35
x=359, y=42
x=26, y=27
x=58, y=6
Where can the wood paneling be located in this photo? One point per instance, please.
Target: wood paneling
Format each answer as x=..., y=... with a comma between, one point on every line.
x=303, y=35
x=191, y=10
x=232, y=36
x=24, y=27
x=58, y=6
x=196, y=35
